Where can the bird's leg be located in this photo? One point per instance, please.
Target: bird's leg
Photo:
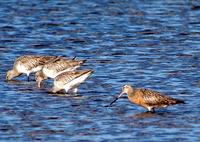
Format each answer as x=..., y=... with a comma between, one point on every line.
x=74, y=90
x=54, y=89
x=28, y=78
x=66, y=89
x=151, y=109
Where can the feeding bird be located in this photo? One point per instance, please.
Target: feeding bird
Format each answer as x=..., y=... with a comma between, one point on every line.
x=147, y=98
x=28, y=64
x=56, y=67
x=70, y=80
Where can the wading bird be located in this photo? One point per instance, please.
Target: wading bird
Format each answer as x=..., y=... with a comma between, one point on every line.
x=70, y=80
x=146, y=98
x=56, y=67
x=28, y=64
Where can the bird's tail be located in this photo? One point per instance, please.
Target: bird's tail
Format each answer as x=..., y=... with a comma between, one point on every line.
x=81, y=62
x=180, y=101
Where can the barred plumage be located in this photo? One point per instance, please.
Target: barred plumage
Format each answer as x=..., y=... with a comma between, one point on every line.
x=147, y=98
x=28, y=64
x=70, y=80
x=54, y=68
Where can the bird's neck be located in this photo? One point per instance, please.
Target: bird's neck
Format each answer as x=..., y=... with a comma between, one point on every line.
x=15, y=73
x=131, y=92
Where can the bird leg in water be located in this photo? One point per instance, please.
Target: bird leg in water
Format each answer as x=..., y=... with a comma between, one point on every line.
x=150, y=109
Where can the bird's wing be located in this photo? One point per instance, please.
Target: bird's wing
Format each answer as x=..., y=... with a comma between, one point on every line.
x=34, y=62
x=66, y=77
x=62, y=65
x=155, y=98
x=66, y=64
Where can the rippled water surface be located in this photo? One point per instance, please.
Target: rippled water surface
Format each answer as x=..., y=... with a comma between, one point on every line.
x=151, y=44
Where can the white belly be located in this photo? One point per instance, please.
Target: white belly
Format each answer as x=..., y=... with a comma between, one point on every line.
x=36, y=69
x=22, y=69
x=74, y=83
x=49, y=73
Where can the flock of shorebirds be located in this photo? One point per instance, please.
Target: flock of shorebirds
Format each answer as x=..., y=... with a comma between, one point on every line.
x=66, y=77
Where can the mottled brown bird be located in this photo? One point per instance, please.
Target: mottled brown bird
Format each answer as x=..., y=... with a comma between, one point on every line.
x=28, y=64
x=56, y=67
x=70, y=80
x=146, y=98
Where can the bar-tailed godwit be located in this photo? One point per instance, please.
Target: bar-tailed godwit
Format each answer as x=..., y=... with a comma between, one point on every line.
x=69, y=81
x=56, y=67
x=28, y=64
x=147, y=98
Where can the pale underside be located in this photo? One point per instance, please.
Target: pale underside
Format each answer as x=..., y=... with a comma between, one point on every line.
x=71, y=85
x=23, y=69
x=151, y=108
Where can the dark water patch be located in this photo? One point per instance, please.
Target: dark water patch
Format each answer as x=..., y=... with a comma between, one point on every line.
x=8, y=40
x=98, y=100
x=75, y=40
x=73, y=23
x=6, y=128
x=7, y=28
x=184, y=55
x=51, y=117
x=41, y=45
x=45, y=132
x=50, y=25
x=148, y=32
x=195, y=33
x=194, y=23
x=183, y=34
x=195, y=7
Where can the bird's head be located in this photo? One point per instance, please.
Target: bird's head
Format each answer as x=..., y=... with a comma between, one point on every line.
x=39, y=77
x=126, y=89
x=11, y=74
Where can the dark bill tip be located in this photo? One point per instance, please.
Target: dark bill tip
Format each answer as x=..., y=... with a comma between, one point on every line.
x=112, y=102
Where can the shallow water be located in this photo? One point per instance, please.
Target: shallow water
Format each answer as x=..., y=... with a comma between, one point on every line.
x=145, y=43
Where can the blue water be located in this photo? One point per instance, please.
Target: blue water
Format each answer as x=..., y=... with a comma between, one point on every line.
x=150, y=44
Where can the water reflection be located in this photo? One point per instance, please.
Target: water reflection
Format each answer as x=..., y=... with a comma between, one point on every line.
x=144, y=115
x=63, y=94
x=148, y=114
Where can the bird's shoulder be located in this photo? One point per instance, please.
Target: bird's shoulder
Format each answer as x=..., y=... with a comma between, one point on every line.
x=149, y=92
x=152, y=97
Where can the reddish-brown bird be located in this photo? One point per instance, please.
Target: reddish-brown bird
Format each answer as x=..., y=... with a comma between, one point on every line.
x=148, y=99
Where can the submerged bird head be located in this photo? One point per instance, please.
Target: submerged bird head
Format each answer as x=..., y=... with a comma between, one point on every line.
x=11, y=74
x=39, y=77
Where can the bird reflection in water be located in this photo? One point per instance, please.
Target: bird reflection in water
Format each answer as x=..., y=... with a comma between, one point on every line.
x=149, y=114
